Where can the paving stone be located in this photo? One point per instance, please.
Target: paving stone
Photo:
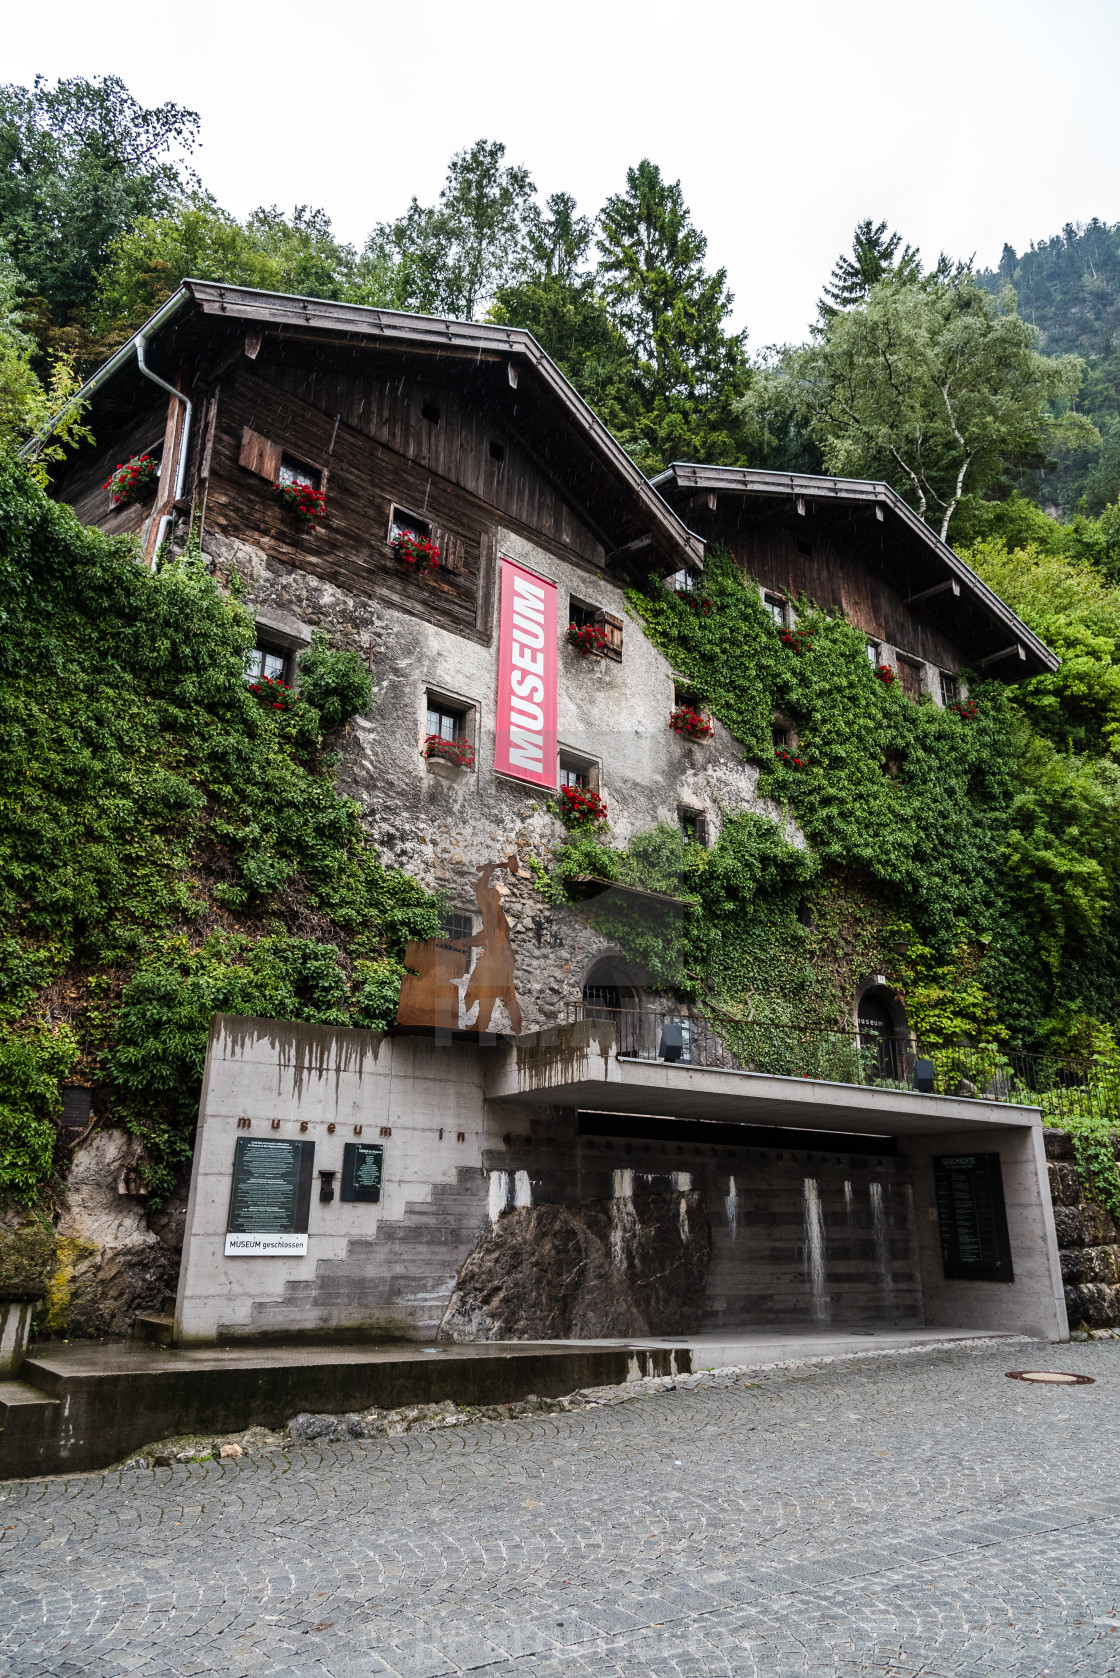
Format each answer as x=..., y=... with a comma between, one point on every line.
x=931, y=1517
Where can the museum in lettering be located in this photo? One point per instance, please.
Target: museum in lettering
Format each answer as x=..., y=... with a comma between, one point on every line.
x=546, y=1146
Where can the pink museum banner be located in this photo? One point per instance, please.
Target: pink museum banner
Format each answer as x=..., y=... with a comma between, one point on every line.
x=526, y=716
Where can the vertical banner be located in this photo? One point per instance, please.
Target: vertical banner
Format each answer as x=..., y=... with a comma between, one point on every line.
x=526, y=713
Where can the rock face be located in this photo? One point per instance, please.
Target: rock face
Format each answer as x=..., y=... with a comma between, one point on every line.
x=1088, y=1242
x=633, y=1265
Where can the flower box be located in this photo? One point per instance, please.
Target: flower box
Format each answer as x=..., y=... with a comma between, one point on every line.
x=415, y=551
x=580, y=807
x=302, y=502
x=797, y=640
x=788, y=759
x=133, y=480
x=886, y=675
x=273, y=694
x=591, y=638
x=459, y=752
x=691, y=723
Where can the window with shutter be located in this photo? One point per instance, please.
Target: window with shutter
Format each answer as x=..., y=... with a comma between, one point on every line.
x=450, y=549
x=260, y=455
x=613, y=628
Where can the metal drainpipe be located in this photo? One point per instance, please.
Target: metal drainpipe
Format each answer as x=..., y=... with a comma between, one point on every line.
x=184, y=436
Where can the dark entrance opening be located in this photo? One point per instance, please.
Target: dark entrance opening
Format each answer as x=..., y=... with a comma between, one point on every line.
x=877, y=1034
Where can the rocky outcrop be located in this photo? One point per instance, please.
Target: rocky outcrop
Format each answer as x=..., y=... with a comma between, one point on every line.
x=1088, y=1241
x=633, y=1265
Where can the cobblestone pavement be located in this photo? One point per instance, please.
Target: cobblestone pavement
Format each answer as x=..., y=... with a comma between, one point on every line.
x=913, y=1514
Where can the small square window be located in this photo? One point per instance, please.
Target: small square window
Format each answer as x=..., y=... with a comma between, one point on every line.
x=679, y=582
x=445, y=721
x=404, y=523
x=776, y=608
x=266, y=662
x=781, y=738
x=497, y=451
x=950, y=689
x=578, y=772
x=293, y=471
x=457, y=924
x=693, y=825
x=804, y=547
x=430, y=413
x=580, y=614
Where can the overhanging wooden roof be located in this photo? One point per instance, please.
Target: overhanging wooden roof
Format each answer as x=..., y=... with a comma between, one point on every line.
x=999, y=643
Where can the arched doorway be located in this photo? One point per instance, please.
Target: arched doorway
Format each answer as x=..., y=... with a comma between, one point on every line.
x=878, y=1032
x=609, y=993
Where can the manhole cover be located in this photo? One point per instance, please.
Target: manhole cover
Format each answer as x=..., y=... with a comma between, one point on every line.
x=1052, y=1377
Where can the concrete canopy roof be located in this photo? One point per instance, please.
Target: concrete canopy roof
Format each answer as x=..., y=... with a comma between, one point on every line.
x=918, y=560
x=505, y=365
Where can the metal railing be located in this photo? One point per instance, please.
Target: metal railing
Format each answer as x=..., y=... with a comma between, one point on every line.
x=1064, y=1089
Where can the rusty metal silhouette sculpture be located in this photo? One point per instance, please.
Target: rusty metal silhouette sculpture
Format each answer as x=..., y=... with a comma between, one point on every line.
x=430, y=995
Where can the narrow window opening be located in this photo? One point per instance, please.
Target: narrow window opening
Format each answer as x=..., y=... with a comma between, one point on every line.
x=430, y=413
x=581, y=614
x=873, y=652
x=950, y=689
x=497, y=451
x=804, y=547
x=693, y=825
x=776, y=608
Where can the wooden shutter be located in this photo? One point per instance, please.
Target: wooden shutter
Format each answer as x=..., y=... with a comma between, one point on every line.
x=450, y=547
x=260, y=455
x=613, y=627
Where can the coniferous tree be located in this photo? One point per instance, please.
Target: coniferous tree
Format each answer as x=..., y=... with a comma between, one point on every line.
x=874, y=256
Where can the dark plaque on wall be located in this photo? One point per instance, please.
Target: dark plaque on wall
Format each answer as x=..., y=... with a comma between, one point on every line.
x=270, y=1198
x=361, y=1171
x=972, y=1218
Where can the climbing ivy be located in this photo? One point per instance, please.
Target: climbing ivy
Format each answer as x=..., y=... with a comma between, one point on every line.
x=171, y=845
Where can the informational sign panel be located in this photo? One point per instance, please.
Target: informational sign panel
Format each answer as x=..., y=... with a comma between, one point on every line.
x=270, y=1199
x=972, y=1218
x=525, y=745
x=361, y=1171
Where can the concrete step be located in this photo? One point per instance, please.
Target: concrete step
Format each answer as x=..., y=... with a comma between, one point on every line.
x=153, y=1330
x=29, y=1425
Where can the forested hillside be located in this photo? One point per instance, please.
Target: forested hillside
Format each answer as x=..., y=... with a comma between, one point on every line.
x=1069, y=288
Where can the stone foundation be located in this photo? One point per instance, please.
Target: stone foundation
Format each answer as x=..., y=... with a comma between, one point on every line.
x=1088, y=1241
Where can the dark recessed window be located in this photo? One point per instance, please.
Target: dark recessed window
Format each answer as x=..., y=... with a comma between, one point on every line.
x=580, y=614
x=776, y=607
x=442, y=719
x=693, y=825
x=457, y=924
x=293, y=471
x=804, y=547
x=781, y=737
x=950, y=689
x=430, y=413
x=497, y=451
x=404, y=523
x=266, y=661
x=574, y=773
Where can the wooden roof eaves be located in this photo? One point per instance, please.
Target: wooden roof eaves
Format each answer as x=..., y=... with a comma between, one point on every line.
x=485, y=340
x=746, y=480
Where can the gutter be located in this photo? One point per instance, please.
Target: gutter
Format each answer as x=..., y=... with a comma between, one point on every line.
x=135, y=346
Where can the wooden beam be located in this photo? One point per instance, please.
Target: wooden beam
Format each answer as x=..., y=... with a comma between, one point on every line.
x=631, y=550
x=705, y=501
x=951, y=587
x=1005, y=652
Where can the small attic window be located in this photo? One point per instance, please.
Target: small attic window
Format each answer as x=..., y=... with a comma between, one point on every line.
x=430, y=413
x=804, y=547
x=497, y=452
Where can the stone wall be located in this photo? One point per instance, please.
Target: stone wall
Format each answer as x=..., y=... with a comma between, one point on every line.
x=1088, y=1241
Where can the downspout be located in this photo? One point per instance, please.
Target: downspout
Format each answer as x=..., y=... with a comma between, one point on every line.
x=184, y=436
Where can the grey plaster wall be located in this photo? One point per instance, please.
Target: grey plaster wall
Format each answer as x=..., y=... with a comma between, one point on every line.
x=439, y=823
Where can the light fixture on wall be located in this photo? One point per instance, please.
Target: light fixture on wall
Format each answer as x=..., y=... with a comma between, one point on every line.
x=326, y=1185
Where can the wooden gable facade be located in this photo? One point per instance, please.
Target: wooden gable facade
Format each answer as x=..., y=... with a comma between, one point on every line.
x=466, y=436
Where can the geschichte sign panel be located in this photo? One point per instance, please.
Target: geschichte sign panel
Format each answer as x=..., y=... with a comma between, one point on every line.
x=270, y=1198
x=361, y=1171
x=972, y=1218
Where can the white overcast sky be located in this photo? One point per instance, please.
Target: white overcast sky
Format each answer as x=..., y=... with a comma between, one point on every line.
x=965, y=123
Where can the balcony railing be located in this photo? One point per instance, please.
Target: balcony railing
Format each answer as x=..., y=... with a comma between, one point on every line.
x=1064, y=1089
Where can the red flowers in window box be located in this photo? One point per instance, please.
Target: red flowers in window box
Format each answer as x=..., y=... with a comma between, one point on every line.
x=416, y=551
x=788, y=759
x=273, y=694
x=459, y=751
x=966, y=709
x=592, y=638
x=301, y=502
x=580, y=807
x=886, y=675
x=797, y=640
x=687, y=720
x=132, y=481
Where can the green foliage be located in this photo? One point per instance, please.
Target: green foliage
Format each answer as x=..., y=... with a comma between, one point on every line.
x=875, y=256
x=31, y=1065
x=337, y=684
x=164, y=835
